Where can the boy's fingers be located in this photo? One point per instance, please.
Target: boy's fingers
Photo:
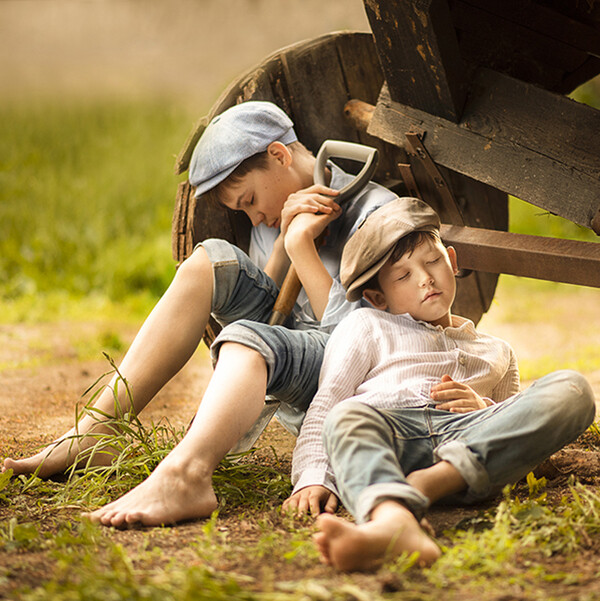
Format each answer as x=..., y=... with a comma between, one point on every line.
x=320, y=188
x=331, y=504
x=289, y=504
x=452, y=394
x=315, y=505
x=454, y=404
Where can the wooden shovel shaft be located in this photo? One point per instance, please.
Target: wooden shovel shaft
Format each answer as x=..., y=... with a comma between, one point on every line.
x=288, y=293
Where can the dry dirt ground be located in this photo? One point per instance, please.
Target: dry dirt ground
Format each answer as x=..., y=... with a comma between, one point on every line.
x=43, y=379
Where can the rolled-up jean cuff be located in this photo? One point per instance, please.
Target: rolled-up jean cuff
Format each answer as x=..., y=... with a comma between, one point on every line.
x=247, y=337
x=220, y=253
x=376, y=494
x=467, y=464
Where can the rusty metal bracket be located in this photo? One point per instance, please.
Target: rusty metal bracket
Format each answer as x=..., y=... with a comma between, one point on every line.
x=409, y=180
x=417, y=148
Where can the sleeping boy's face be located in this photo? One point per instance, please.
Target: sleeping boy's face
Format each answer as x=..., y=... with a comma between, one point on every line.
x=261, y=193
x=421, y=283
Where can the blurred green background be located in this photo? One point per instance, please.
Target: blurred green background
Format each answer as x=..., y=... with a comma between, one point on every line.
x=90, y=125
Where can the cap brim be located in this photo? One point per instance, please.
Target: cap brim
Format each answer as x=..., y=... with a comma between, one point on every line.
x=214, y=181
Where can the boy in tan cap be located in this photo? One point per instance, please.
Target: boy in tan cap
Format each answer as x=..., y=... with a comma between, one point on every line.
x=414, y=405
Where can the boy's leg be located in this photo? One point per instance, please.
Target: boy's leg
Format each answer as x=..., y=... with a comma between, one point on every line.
x=365, y=448
x=253, y=359
x=217, y=278
x=180, y=487
x=166, y=341
x=501, y=444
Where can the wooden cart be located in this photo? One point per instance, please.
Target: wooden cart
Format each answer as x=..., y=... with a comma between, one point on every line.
x=465, y=100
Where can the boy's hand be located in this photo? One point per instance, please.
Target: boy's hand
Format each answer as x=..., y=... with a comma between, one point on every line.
x=310, y=500
x=315, y=201
x=456, y=397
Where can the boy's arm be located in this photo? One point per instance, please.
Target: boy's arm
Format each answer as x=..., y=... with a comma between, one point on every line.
x=301, y=225
x=345, y=366
x=278, y=262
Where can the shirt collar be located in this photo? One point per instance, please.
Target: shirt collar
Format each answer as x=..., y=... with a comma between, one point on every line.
x=461, y=326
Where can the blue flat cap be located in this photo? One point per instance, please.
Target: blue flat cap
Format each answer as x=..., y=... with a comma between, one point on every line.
x=234, y=136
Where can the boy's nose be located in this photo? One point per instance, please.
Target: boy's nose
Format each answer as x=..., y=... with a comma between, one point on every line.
x=426, y=279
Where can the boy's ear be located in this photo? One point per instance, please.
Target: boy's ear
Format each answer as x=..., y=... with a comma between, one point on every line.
x=453, y=260
x=376, y=298
x=280, y=152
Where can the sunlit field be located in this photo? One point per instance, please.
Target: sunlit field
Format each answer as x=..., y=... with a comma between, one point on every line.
x=86, y=198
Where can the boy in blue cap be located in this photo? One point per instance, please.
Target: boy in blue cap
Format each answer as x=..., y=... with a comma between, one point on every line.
x=414, y=404
x=248, y=159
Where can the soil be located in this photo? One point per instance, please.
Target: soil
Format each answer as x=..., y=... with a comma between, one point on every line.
x=37, y=400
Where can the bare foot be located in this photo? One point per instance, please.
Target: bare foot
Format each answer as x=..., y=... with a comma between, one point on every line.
x=58, y=456
x=392, y=530
x=174, y=492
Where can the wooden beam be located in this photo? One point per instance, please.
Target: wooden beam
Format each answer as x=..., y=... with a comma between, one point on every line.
x=536, y=145
x=419, y=54
x=500, y=41
x=539, y=20
x=568, y=261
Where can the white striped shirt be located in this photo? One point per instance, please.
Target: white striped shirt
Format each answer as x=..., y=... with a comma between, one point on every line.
x=392, y=361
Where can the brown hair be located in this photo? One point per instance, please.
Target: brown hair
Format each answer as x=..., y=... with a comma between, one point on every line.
x=405, y=245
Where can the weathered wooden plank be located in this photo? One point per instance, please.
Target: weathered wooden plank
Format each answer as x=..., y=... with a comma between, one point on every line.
x=530, y=18
x=498, y=41
x=537, y=145
x=568, y=261
x=419, y=54
x=309, y=103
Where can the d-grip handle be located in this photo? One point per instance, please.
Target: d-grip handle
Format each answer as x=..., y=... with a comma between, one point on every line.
x=291, y=286
x=346, y=150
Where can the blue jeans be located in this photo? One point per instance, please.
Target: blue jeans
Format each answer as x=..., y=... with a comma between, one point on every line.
x=243, y=299
x=373, y=450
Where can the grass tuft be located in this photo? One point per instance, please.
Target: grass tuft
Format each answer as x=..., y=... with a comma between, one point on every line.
x=137, y=449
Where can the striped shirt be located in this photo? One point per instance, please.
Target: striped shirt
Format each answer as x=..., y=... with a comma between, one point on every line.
x=392, y=361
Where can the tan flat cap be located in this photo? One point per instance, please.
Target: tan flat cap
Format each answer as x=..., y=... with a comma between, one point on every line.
x=373, y=242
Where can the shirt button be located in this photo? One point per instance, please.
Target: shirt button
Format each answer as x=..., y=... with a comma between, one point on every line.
x=462, y=360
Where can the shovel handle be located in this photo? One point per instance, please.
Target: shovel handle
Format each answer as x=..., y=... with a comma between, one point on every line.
x=288, y=293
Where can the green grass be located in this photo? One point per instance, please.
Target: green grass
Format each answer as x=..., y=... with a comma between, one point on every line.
x=525, y=218
x=510, y=546
x=86, y=197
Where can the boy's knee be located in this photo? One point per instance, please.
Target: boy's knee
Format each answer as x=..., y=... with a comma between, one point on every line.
x=242, y=352
x=571, y=395
x=197, y=267
x=583, y=395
